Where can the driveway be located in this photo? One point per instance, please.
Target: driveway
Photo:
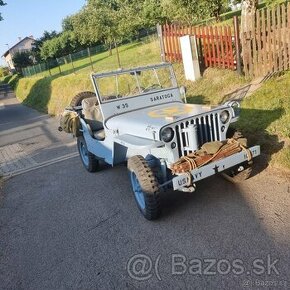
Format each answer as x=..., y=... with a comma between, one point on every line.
x=64, y=228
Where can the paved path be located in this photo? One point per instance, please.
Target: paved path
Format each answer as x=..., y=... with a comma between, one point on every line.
x=63, y=228
x=29, y=139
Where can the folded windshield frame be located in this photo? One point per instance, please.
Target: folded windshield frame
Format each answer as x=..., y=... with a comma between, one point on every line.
x=128, y=83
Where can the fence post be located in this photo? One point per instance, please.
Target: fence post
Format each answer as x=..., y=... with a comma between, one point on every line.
x=60, y=72
x=238, y=45
x=48, y=66
x=35, y=72
x=117, y=53
x=89, y=53
x=72, y=63
x=159, y=32
x=40, y=69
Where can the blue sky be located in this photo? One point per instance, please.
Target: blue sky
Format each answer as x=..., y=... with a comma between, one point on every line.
x=31, y=17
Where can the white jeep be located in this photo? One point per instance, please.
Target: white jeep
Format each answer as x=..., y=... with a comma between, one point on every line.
x=138, y=116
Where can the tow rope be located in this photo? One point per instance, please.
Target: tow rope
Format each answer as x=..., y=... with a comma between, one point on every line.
x=210, y=152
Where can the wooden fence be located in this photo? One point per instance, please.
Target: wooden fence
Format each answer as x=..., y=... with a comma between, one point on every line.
x=216, y=45
x=267, y=49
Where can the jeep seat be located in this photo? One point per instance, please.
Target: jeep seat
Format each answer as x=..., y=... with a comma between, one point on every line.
x=92, y=114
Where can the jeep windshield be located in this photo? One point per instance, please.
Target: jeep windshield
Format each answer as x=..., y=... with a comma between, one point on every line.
x=130, y=83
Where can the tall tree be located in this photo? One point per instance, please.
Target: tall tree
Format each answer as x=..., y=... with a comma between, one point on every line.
x=36, y=50
x=62, y=45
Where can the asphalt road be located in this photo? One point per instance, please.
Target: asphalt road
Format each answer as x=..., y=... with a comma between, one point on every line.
x=64, y=228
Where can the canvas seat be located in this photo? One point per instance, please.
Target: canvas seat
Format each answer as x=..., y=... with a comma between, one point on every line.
x=93, y=117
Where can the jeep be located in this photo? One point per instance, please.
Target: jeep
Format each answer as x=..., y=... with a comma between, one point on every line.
x=140, y=116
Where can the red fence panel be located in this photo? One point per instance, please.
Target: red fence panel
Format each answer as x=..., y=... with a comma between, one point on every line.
x=215, y=44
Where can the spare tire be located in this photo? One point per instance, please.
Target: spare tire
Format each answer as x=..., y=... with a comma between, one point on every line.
x=77, y=100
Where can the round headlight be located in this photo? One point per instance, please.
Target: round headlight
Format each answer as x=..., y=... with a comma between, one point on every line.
x=224, y=116
x=167, y=134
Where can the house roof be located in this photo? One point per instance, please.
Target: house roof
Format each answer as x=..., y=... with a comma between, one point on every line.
x=7, y=52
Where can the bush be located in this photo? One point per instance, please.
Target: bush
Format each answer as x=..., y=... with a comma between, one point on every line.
x=4, y=71
x=22, y=59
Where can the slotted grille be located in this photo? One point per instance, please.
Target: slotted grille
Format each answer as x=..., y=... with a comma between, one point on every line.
x=208, y=129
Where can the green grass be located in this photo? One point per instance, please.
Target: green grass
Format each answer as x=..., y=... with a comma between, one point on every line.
x=265, y=118
x=143, y=51
x=12, y=80
x=213, y=87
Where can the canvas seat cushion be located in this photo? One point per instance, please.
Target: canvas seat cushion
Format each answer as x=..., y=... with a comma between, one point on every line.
x=92, y=113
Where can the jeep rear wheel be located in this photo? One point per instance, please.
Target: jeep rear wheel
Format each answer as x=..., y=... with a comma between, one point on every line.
x=145, y=187
x=77, y=100
x=88, y=159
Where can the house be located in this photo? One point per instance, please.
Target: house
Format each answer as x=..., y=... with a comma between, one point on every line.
x=25, y=44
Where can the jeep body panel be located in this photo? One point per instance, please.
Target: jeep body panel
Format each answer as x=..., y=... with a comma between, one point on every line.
x=147, y=122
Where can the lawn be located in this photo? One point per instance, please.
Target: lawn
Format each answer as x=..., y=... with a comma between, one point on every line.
x=144, y=52
x=265, y=118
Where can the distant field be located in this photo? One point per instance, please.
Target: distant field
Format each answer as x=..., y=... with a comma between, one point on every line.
x=131, y=54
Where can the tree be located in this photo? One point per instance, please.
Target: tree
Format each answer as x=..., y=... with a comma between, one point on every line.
x=106, y=21
x=217, y=7
x=1, y=4
x=36, y=51
x=59, y=46
x=192, y=11
x=67, y=23
x=152, y=13
x=22, y=59
x=4, y=71
x=249, y=8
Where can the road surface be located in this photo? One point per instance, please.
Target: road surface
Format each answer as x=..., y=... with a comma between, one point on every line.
x=64, y=228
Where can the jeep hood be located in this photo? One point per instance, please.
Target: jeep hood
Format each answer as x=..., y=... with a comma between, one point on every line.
x=147, y=122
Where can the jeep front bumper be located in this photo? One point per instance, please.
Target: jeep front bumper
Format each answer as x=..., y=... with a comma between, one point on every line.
x=182, y=181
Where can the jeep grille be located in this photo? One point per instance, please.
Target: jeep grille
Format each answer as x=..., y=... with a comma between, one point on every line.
x=208, y=129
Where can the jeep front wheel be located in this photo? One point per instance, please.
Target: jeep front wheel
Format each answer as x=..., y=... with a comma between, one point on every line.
x=88, y=159
x=145, y=187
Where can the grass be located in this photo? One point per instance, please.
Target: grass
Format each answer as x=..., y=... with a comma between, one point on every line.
x=265, y=117
x=212, y=87
x=105, y=61
x=12, y=80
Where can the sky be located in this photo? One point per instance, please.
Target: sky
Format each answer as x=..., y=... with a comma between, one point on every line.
x=32, y=17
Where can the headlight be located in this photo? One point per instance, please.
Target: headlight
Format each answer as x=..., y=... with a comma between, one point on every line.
x=224, y=116
x=167, y=134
